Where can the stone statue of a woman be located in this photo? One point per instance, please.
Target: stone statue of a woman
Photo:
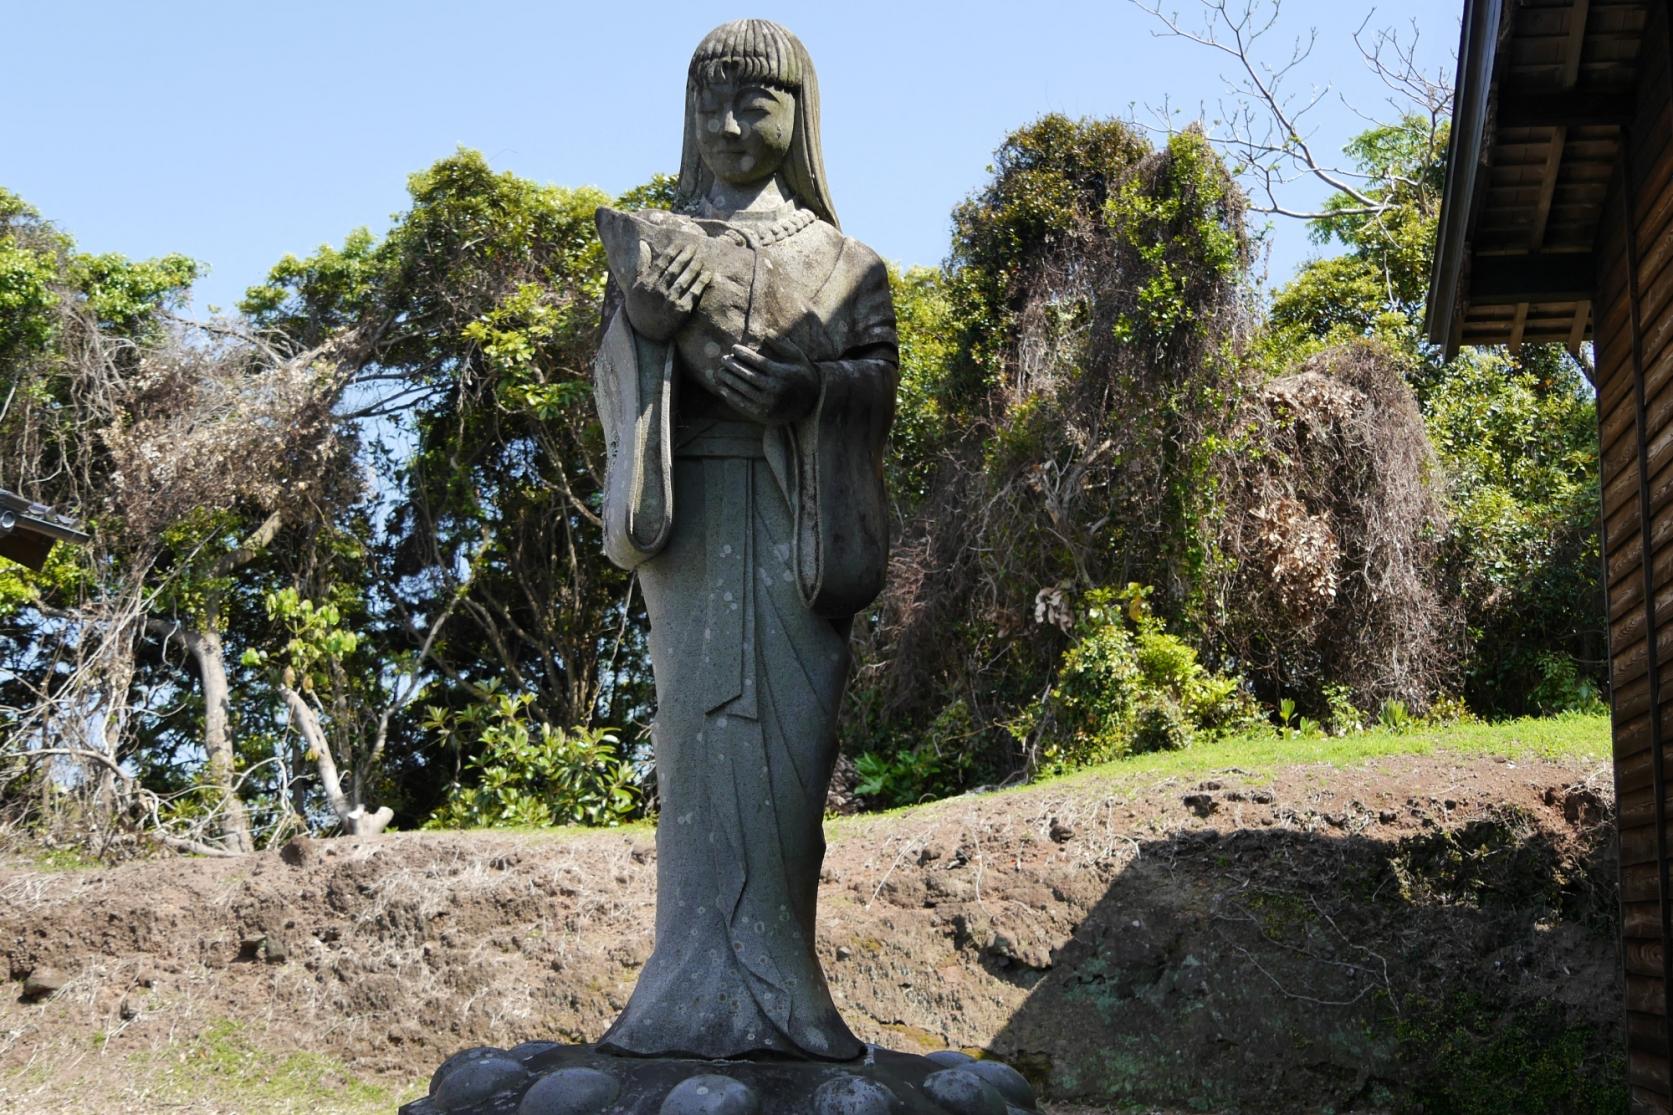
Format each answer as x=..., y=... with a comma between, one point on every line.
x=746, y=382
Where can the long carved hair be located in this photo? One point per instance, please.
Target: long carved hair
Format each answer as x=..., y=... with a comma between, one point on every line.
x=757, y=50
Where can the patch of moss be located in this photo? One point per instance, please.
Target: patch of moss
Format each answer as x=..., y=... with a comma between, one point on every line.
x=1035, y=1065
x=1279, y=914
x=222, y=1063
x=1503, y=861
x=64, y=859
x=1470, y=1057
x=925, y=1040
x=1129, y=1069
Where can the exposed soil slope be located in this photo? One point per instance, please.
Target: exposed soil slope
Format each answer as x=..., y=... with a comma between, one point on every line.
x=1359, y=939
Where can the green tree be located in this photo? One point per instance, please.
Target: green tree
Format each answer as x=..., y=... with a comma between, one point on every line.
x=474, y=321
x=187, y=452
x=1093, y=280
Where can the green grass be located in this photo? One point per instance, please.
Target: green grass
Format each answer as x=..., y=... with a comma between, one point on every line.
x=1571, y=736
x=65, y=859
x=1263, y=753
x=645, y=827
x=1260, y=754
x=222, y=1062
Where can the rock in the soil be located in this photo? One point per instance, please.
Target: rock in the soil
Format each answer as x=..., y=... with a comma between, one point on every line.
x=299, y=851
x=43, y=982
x=1201, y=804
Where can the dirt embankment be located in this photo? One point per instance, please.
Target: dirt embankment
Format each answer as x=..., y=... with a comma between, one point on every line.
x=1430, y=933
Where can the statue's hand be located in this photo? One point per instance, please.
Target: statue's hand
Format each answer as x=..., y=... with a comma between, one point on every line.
x=665, y=289
x=767, y=390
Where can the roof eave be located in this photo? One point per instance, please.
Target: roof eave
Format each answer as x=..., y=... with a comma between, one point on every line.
x=1477, y=48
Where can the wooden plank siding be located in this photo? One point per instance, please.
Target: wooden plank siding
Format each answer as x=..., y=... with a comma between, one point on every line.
x=1632, y=329
x=1562, y=155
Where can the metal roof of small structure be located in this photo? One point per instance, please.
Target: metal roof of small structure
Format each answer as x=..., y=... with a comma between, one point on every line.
x=1544, y=89
x=29, y=530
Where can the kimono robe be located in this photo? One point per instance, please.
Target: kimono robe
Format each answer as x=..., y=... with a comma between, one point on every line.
x=755, y=545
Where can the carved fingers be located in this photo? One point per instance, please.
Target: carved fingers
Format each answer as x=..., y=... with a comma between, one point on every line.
x=688, y=287
x=677, y=274
x=767, y=390
x=653, y=270
x=666, y=288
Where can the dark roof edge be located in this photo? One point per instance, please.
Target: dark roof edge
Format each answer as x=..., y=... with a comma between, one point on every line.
x=1478, y=44
x=39, y=519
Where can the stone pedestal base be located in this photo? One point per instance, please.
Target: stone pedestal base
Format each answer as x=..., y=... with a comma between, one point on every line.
x=544, y=1078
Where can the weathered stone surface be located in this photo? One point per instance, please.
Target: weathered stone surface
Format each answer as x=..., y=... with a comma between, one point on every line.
x=949, y=1058
x=578, y=1090
x=587, y=1080
x=530, y=1049
x=711, y=1095
x=963, y=1093
x=1005, y=1080
x=854, y=1095
x=470, y=1084
x=461, y=1058
x=746, y=385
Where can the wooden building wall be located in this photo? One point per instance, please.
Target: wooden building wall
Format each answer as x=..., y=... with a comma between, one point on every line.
x=1633, y=332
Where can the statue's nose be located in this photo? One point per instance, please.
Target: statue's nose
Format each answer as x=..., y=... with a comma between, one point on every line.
x=729, y=125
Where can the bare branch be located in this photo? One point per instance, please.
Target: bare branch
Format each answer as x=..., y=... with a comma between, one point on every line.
x=1264, y=129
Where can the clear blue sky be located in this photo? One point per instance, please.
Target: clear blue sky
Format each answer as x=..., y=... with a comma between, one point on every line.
x=238, y=132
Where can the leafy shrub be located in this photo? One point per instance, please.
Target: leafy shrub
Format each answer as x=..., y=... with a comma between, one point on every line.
x=532, y=773
x=1562, y=687
x=1449, y=708
x=1518, y=440
x=1395, y=717
x=933, y=768
x=1345, y=716
x=1161, y=726
x=1126, y=685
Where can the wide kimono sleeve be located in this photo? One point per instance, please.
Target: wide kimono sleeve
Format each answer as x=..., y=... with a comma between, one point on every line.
x=841, y=509
x=633, y=386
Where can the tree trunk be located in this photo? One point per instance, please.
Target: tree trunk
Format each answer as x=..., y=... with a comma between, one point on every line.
x=210, y=655
x=351, y=815
x=119, y=675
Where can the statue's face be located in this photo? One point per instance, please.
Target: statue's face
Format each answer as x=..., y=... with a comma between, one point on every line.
x=743, y=130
